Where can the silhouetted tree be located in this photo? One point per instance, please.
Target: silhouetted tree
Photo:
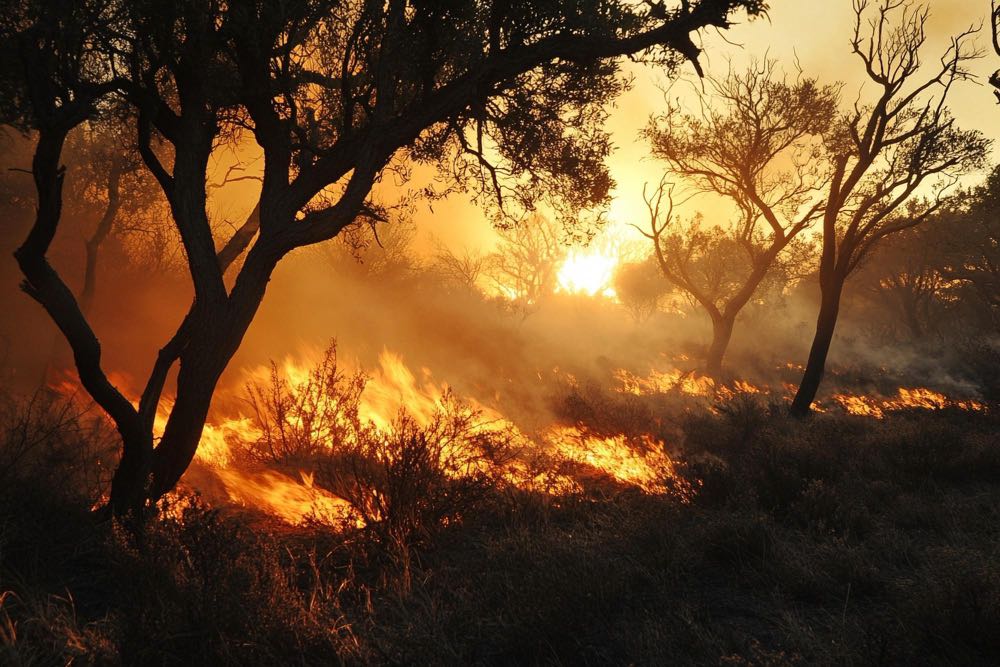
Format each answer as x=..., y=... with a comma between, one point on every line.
x=756, y=140
x=383, y=252
x=640, y=288
x=105, y=174
x=461, y=270
x=523, y=268
x=884, y=152
x=903, y=282
x=995, y=24
x=968, y=250
x=506, y=98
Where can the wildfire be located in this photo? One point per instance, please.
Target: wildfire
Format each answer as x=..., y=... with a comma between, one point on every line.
x=394, y=387
x=919, y=398
x=572, y=458
x=292, y=501
x=662, y=382
x=642, y=464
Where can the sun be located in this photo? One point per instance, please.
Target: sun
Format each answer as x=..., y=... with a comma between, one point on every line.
x=588, y=271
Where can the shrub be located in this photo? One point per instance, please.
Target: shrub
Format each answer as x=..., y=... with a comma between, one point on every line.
x=48, y=434
x=298, y=421
x=406, y=480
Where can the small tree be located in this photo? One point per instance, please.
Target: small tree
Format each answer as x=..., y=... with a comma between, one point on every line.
x=968, y=253
x=104, y=174
x=458, y=270
x=884, y=152
x=755, y=140
x=523, y=268
x=640, y=288
x=903, y=282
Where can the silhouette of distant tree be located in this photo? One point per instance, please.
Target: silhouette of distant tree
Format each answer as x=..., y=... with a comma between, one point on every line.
x=458, y=269
x=883, y=154
x=523, y=268
x=903, y=281
x=756, y=140
x=969, y=249
x=640, y=288
x=506, y=98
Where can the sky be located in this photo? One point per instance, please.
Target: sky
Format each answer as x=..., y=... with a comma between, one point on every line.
x=814, y=33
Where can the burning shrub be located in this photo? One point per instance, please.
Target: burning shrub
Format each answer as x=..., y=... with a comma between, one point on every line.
x=412, y=477
x=298, y=421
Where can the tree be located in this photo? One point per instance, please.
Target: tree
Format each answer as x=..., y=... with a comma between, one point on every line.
x=969, y=250
x=640, y=288
x=506, y=98
x=755, y=140
x=884, y=153
x=458, y=270
x=105, y=174
x=383, y=252
x=523, y=268
x=995, y=24
x=902, y=280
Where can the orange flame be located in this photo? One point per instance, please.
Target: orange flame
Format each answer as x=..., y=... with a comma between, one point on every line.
x=919, y=398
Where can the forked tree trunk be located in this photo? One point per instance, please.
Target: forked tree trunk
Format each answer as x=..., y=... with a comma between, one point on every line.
x=722, y=333
x=826, y=323
x=213, y=342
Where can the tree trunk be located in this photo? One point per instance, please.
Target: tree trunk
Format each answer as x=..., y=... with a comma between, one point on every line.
x=722, y=332
x=826, y=323
x=195, y=386
x=911, y=315
x=210, y=345
x=130, y=484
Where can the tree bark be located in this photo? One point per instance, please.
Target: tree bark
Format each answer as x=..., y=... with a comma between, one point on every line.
x=826, y=324
x=722, y=333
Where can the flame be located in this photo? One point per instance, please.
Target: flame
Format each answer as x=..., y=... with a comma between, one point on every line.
x=642, y=463
x=393, y=388
x=919, y=398
x=571, y=457
x=280, y=495
x=663, y=382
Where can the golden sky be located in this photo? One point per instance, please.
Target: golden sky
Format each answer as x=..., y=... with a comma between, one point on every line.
x=816, y=32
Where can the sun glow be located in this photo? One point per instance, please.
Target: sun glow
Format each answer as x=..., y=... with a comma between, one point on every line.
x=588, y=271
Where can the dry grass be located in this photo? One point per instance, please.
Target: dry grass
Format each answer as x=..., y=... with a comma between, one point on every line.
x=841, y=540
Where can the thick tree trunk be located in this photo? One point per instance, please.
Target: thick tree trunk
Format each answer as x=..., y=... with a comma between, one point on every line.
x=130, y=484
x=722, y=333
x=207, y=348
x=826, y=323
x=195, y=386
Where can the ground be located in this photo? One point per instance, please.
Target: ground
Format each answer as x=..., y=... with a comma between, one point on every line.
x=836, y=540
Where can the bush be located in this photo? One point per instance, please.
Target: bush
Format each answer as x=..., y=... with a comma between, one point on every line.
x=48, y=434
x=410, y=479
x=298, y=421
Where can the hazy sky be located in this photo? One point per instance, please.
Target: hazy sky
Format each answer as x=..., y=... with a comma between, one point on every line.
x=816, y=32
